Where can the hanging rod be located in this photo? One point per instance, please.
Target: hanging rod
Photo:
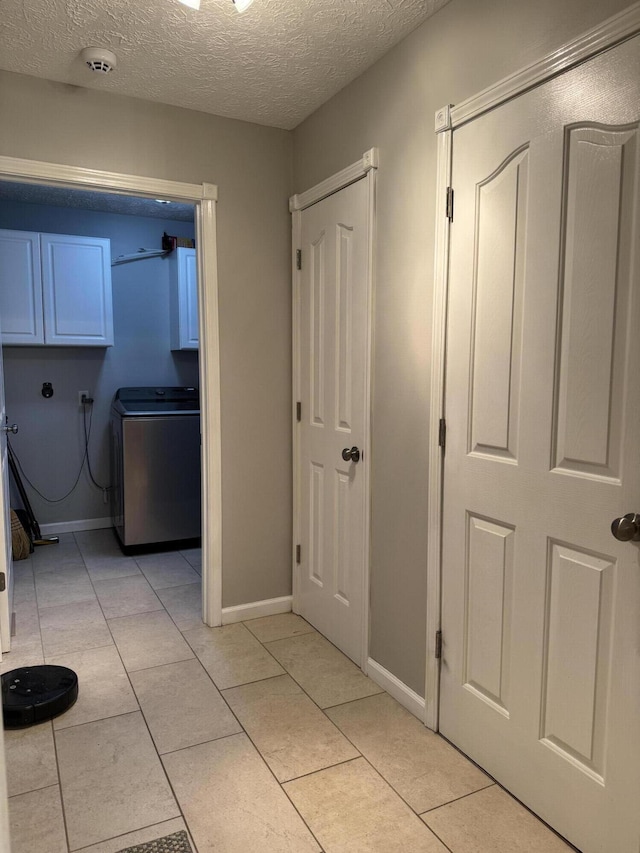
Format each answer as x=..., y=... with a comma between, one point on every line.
x=140, y=255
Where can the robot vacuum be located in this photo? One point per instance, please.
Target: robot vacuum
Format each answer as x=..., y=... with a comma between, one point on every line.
x=33, y=694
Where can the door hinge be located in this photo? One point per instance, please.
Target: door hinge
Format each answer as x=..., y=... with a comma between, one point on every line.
x=298, y=554
x=449, y=205
x=299, y=259
x=298, y=411
x=438, y=653
x=442, y=433
x=3, y=581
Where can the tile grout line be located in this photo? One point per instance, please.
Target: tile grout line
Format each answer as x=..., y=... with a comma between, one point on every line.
x=455, y=799
x=123, y=834
x=277, y=781
x=242, y=729
x=389, y=783
x=140, y=711
x=247, y=735
x=360, y=754
x=373, y=767
x=200, y=743
x=260, y=755
x=53, y=734
x=348, y=739
x=166, y=776
x=380, y=689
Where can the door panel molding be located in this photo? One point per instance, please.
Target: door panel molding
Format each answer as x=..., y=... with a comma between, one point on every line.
x=610, y=32
x=363, y=169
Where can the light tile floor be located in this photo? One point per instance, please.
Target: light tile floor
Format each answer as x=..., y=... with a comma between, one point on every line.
x=257, y=736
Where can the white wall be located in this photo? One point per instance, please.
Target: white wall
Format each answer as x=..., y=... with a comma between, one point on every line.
x=251, y=165
x=50, y=443
x=464, y=48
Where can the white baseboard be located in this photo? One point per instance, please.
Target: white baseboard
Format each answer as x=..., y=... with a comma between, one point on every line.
x=74, y=526
x=398, y=689
x=255, y=609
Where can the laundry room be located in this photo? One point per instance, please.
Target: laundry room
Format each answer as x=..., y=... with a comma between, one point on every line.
x=60, y=394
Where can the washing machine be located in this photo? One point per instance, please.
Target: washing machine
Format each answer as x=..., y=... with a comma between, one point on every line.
x=155, y=462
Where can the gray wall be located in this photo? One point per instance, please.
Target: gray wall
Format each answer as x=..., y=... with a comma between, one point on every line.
x=50, y=443
x=252, y=167
x=464, y=48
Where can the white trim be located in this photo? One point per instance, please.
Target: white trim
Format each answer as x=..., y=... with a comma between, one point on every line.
x=371, y=178
x=204, y=197
x=437, y=411
x=76, y=177
x=443, y=118
x=75, y=526
x=296, y=230
x=366, y=168
x=211, y=449
x=339, y=181
x=609, y=33
x=622, y=26
x=256, y=609
x=396, y=688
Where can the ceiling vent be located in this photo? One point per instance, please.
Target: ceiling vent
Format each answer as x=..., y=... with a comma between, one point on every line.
x=99, y=59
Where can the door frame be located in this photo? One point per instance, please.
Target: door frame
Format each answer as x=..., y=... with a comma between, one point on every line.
x=609, y=33
x=204, y=196
x=363, y=169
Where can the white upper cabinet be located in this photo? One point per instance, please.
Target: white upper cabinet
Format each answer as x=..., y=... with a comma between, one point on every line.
x=62, y=297
x=21, y=315
x=184, y=299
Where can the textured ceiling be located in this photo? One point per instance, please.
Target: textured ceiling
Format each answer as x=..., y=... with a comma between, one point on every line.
x=86, y=200
x=274, y=64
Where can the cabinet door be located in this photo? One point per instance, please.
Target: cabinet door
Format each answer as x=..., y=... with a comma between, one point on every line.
x=76, y=284
x=189, y=275
x=20, y=289
x=184, y=300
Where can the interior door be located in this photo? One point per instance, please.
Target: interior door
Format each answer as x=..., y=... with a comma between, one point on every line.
x=5, y=599
x=541, y=604
x=333, y=376
x=5, y=528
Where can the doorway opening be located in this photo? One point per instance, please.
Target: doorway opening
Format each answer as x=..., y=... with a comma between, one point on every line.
x=189, y=200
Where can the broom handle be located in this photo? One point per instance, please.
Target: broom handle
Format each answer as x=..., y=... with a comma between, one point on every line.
x=33, y=524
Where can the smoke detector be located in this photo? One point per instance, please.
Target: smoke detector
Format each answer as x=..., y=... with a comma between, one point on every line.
x=99, y=59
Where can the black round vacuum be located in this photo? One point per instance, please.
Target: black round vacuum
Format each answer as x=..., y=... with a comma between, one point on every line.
x=33, y=694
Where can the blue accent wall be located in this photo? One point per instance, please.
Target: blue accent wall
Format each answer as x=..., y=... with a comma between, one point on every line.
x=50, y=443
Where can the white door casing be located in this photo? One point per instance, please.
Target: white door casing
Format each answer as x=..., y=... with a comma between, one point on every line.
x=5, y=600
x=5, y=529
x=333, y=228
x=204, y=197
x=540, y=678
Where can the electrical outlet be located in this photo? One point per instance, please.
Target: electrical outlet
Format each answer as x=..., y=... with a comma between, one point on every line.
x=82, y=394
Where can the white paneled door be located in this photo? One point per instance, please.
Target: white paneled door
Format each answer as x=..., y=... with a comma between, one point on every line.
x=541, y=604
x=333, y=343
x=5, y=599
x=6, y=582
